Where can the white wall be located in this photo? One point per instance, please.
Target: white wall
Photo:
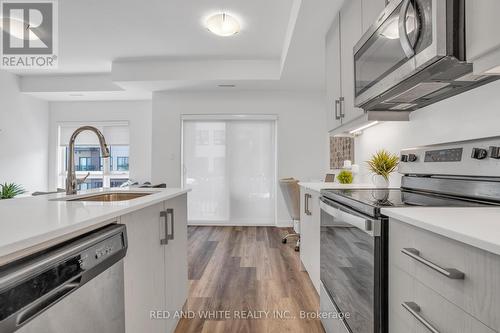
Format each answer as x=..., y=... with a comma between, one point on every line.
x=301, y=131
x=137, y=113
x=473, y=114
x=24, y=123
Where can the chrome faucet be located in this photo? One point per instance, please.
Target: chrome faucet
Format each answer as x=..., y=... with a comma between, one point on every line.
x=71, y=181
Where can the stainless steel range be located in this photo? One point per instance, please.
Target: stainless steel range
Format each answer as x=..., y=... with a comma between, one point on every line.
x=354, y=234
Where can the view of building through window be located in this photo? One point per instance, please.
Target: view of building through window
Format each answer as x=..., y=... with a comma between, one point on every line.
x=102, y=174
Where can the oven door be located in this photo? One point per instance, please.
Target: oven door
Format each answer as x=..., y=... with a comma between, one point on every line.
x=352, y=267
x=406, y=36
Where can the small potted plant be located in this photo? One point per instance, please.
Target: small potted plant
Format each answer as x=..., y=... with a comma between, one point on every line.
x=382, y=164
x=9, y=191
x=345, y=177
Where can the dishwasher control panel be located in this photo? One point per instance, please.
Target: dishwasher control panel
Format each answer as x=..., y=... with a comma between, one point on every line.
x=99, y=252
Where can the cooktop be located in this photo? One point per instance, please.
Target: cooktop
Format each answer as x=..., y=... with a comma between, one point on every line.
x=369, y=201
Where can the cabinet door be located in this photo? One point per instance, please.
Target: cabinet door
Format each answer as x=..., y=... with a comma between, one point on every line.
x=144, y=272
x=371, y=11
x=304, y=228
x=333, y=75
x=314, y=220
x=176, y=269
x=309, y=235
x=350, y=33
x=483, y=43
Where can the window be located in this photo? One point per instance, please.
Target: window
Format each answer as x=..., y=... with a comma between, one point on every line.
x=202, y=137
x=232, y=173
x=122, y=163
x=103, y=172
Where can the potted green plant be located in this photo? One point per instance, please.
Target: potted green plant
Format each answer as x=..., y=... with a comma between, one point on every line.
x=345, y=177
x=382, y=164
x=10, y=190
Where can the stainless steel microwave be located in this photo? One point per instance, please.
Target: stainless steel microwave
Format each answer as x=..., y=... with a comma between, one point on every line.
x=413, y=55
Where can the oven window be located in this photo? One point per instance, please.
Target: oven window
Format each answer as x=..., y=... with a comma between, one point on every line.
x=348, y=271
x=383, y=53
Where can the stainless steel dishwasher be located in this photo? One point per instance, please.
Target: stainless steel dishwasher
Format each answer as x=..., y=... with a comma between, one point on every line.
x=75, y=287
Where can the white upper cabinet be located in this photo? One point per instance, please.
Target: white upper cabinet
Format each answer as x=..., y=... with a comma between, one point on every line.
x=333, y=77
x=483, y=40
x=371, y=11
x=354, y=18
x=351, y=30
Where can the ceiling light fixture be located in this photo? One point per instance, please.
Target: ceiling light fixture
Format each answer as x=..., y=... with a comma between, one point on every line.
x=226, y=85
x=222, y=24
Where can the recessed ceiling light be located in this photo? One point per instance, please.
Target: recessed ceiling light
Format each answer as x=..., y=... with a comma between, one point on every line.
x=76, y=95
x=222, y=24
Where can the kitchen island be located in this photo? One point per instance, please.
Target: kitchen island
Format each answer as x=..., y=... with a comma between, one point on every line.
x=155, y=266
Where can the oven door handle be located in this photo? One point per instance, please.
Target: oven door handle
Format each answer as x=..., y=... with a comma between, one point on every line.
x=351, y=218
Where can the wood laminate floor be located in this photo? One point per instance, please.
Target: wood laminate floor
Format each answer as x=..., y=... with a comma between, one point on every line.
x=237, y=269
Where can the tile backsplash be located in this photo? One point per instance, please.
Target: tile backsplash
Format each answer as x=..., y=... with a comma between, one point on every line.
x=341, y=149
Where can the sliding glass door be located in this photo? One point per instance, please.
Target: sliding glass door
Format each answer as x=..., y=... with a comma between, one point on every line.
x=230, y=167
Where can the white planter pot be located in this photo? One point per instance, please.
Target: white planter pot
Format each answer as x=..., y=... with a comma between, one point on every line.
x=380, y=182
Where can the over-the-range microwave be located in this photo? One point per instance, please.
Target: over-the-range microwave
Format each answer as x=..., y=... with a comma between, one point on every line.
x=414, y=55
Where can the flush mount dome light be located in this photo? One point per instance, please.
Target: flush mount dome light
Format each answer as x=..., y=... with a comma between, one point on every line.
x=222, y=24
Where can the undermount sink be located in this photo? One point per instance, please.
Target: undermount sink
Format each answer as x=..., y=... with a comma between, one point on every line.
x=107, y=197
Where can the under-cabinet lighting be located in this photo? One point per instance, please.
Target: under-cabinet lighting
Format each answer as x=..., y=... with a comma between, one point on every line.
x=362, y=128
x=493, y=71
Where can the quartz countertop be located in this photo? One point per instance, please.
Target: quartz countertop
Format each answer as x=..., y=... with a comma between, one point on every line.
x=475, y=226
x=318, y=186
x=28, y=223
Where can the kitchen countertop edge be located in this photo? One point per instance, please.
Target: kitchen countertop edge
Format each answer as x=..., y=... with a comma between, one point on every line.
x=18, y=248
x=455, y=224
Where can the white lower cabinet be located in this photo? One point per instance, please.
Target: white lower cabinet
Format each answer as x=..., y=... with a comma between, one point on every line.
x=176, y=267
x=155, y=267
x=440, y=283
x=310, y=234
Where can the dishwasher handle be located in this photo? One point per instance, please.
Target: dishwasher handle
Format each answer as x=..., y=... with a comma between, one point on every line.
x=45, y=302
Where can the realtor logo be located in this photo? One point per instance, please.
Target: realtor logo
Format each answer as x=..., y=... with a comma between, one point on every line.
x=29, y=34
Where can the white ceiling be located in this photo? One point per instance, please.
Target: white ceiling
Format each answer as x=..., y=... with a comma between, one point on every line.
x=93, y=33
x=123, y=39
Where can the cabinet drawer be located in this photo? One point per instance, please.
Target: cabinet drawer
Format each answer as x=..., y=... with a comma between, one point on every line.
x=428, y=306
x=477, y=293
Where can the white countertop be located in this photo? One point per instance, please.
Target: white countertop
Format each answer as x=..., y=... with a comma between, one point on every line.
x=327, y=186
x=29, y=222
x=475, y=226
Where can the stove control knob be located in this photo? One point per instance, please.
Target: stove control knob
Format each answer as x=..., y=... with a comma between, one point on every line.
x=495, y=152
x=479, y=153
x=412, y=158
x=404, y=158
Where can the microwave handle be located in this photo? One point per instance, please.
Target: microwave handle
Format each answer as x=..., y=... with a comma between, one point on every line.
x=403, y=33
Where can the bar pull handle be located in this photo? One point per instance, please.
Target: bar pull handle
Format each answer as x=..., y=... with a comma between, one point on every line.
x=307, y=196
x=164, y=216
x=47, y=301
x=450, y=273
x=341, y=103
x=337, y=104
x=414, y=309
x=170, y=213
